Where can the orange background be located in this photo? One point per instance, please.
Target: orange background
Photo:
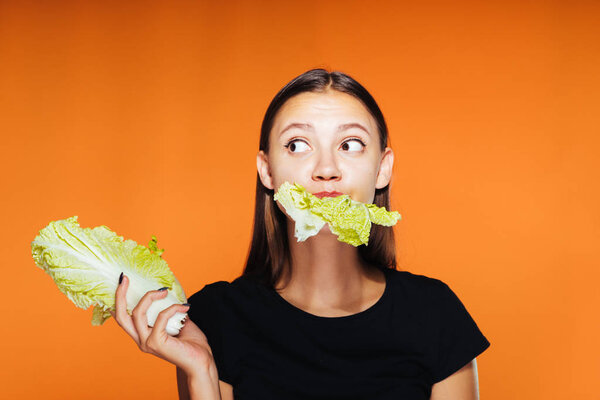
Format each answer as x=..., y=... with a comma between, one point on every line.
x=145, y=117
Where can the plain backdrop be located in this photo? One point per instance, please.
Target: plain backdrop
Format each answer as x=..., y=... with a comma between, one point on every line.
x=145, y=117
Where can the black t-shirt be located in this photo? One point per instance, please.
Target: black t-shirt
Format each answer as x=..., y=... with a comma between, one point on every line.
x=417, y=334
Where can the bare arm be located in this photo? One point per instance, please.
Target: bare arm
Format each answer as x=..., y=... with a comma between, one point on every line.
x=226, y=390
x=189, y=350
x=182, y=385
x=461, y=385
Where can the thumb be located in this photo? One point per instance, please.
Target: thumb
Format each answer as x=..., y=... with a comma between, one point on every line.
x=160, y=324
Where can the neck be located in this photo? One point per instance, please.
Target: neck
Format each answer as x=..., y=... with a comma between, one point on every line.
x=327, y=276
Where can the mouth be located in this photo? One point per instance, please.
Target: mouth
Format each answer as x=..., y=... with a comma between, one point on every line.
x=320, y=195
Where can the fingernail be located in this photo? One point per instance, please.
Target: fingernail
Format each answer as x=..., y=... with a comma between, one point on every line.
x=163, y=288
x=120, y=278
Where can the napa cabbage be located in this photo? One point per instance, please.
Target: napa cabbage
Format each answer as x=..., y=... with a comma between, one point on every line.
x=86, y=263
x=350, y=220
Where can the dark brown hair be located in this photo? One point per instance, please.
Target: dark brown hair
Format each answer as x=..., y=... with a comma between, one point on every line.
x=269, y=250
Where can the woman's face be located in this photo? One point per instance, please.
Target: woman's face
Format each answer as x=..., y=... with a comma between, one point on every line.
x=326, y=142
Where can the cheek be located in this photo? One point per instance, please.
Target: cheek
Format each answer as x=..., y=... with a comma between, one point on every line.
x=364, y=181
x=289, y=173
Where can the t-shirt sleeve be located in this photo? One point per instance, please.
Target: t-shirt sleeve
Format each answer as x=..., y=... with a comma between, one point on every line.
x=460, y=339
x=206, y=314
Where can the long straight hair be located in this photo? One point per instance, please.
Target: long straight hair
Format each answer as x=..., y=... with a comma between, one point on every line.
x=269, y=251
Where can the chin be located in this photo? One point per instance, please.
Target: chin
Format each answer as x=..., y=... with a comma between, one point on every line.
x=326, y=229
x=326, y=232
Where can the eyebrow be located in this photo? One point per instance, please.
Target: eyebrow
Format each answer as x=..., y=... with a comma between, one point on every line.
x=309, y=127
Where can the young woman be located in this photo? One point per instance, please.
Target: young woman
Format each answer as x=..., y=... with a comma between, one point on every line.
x=318, y=319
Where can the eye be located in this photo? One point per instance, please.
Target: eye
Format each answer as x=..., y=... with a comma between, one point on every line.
x=358, y=145
x=296, y=144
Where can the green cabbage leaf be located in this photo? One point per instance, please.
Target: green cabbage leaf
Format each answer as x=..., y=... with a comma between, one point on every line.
x=86, y=263
x=350, y=220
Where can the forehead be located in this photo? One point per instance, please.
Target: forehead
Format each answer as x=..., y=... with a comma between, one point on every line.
x=331, y=106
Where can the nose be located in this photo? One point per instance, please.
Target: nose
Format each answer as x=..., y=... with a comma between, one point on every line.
x=326, y=169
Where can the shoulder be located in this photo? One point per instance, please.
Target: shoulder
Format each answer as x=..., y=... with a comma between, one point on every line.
x=228, y=305
x=417, y=285
x=208, y=291
x=424, y=296
x=218, y=290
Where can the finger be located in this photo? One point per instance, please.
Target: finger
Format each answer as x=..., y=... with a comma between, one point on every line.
x=160, y=326
x=139, y=316
x=121, y=316
x=191, y=333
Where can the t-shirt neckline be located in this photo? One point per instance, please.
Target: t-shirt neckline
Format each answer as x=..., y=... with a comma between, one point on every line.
x=358, y=315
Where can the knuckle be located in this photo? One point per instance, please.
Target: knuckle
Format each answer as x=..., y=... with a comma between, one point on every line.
x=148, y=294
x=136, y=313
x=146, y=298
x=151, y=345
x=120, y=319
x=164, y=312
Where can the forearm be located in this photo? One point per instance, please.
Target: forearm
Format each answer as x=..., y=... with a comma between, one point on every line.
x=204, y=385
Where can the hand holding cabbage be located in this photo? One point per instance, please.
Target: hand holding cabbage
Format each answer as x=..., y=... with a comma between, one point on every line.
x=189, y=350
x=86, y=263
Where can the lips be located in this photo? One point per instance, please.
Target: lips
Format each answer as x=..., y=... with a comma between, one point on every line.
x=320, y=195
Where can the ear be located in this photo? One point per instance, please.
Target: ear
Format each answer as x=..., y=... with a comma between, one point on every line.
x=385, y=169
x=262, y=166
